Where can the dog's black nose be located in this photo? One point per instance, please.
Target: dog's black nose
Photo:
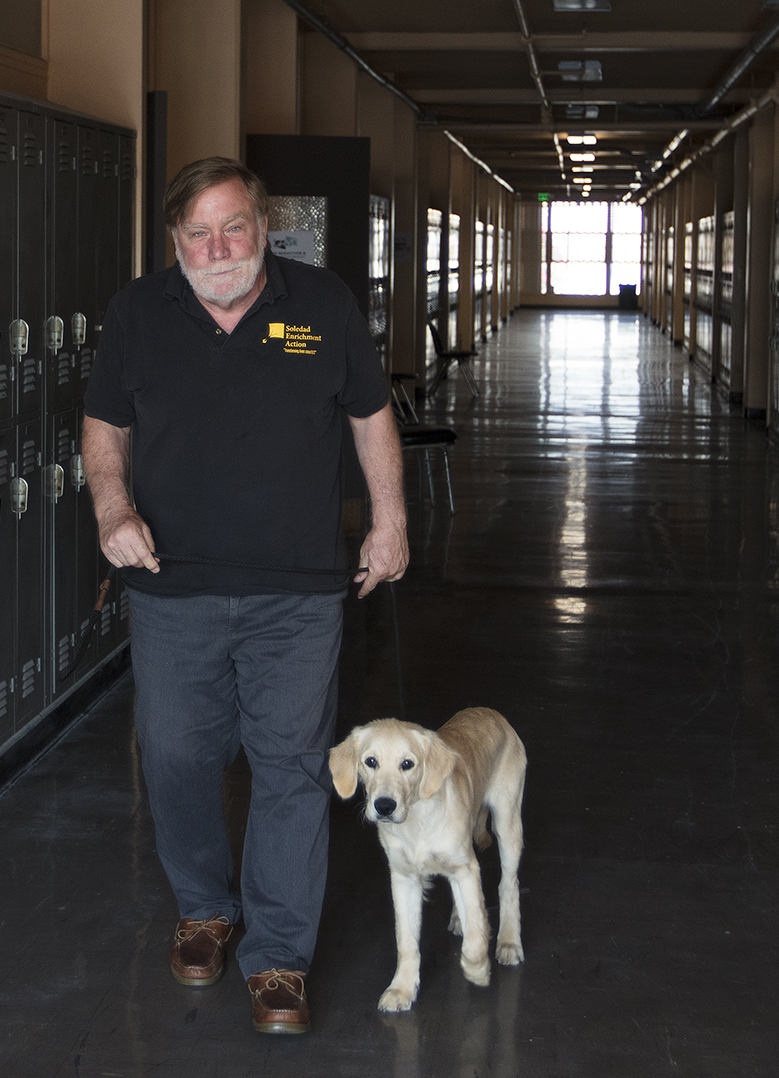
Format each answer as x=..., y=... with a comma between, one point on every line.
x=385, y=806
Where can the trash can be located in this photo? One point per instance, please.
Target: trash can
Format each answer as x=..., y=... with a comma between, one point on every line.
x=628, y=301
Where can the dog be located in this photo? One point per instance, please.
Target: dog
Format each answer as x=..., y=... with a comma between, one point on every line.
x=430, y=794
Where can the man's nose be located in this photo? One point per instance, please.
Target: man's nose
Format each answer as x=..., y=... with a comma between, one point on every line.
x=219, y=248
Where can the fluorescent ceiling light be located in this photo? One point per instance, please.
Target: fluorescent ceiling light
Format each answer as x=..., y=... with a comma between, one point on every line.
x=585, y=5
x=581, y=168
x=585, y=140
x=582, y=156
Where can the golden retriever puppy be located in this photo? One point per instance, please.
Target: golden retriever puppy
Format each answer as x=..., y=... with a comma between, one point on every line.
x=430, y=793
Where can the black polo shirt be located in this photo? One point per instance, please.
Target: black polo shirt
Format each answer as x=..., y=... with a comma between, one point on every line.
x=236, y=446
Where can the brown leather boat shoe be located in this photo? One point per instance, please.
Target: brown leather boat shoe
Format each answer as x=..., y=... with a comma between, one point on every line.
x=198, y=954
x=279, y=997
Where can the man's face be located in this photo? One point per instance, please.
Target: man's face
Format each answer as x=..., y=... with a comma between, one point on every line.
x=220, y=245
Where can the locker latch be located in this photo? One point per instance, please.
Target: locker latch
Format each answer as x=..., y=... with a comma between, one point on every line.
x=78, y=326
x=19, y=491
x=77, y=476
x=18, y=333
x=56, y=481
x=55, y=331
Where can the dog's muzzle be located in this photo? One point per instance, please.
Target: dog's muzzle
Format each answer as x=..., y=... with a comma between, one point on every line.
x=384, y=807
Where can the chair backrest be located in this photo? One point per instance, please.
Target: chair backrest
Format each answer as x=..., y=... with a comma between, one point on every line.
x=436, y=338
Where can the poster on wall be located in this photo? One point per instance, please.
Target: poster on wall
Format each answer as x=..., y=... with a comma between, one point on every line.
x=297, y=245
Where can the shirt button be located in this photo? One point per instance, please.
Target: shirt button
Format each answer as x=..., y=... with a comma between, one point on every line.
x=218, y=331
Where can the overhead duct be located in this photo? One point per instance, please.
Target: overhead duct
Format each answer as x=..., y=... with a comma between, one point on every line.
x=759, y=43
x=318, y=23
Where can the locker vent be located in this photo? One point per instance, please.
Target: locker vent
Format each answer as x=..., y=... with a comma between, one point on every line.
x=30, y=151
x=64, y=156
x=109, y=167
x=29, y=457
x=63, y=654
x=63, y=446
x=3, y=699
x=127, y=165
x=63, y=369
x=29, y=376
x=28, y=679
x=105, y=620
x=86, y=363
x=5, y=138
x=4, y=467
x=88, y=162
x=124, y=606
x=4, y=377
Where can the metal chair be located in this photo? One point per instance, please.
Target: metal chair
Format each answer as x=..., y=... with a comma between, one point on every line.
x=419, y=437
x=446, y=358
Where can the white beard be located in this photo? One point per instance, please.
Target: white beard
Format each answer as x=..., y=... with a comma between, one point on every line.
x=217, y=286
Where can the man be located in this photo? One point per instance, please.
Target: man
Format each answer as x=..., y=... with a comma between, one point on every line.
x=230, y=371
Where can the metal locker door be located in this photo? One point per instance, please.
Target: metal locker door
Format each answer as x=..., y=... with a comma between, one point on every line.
x=62, y=492
x=7, y=583
x=29, y=685
x=87, y=165
x=87, y=556
x=107, y=252
x=61, y=325
x=126, y=202
x=32, y=261
x=8, y=253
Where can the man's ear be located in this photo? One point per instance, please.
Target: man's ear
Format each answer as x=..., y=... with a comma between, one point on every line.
x=344, y=759
x=438, y=761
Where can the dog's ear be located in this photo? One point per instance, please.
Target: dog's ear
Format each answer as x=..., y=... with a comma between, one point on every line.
x=438, y=761
x=343, y=766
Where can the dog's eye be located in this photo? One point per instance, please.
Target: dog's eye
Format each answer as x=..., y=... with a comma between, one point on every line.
x=406, y=765
x=371, y=762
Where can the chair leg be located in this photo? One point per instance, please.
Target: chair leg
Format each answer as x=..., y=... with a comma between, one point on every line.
x=468, y=375
x=430, y=477
x=443, y=367
x=448, y=478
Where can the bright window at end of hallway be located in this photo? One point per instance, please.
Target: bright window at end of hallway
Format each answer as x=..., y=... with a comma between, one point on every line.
x=590, y=248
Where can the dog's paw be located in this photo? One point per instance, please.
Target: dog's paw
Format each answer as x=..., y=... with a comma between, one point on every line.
x=509, y=954
x=476, y=972
x=455, y=927
x=394, y=1000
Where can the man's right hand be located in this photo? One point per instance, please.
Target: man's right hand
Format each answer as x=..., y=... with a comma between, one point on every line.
x=126, y=540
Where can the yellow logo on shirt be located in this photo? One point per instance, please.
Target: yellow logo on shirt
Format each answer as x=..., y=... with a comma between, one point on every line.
x=298, y=340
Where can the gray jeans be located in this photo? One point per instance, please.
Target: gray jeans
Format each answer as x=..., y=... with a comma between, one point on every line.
x=212, y=673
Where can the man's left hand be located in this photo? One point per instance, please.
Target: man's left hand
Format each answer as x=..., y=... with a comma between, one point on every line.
x=384, y=556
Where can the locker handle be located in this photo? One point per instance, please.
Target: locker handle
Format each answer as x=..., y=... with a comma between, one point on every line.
x=77, y=476
x=19, y=492
x=56, y=481
x=55, y=331
x=78, y=326
x=19, y=333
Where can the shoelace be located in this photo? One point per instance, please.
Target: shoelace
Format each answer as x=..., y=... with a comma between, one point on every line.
x=277, y=978
x=184, y=934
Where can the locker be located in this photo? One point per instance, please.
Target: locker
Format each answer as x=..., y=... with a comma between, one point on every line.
x=62, y=260
x=86, y=255
x=29, y=684
x=64, y=482
x=8, y=254
x=7, y=582
x=31, y=261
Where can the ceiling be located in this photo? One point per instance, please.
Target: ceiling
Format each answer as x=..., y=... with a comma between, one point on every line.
x=635, y=76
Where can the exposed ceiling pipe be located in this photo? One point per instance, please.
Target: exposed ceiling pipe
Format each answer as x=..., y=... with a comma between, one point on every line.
x=532, y=59
x=318, y=23
x=759, y=43
x=728, y=128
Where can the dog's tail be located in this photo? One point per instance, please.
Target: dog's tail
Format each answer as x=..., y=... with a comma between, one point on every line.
x=481, y=836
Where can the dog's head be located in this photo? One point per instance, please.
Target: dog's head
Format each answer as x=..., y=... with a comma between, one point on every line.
x=398, y=763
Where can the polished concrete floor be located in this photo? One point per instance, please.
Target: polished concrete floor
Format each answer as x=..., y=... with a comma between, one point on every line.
x=609, y=582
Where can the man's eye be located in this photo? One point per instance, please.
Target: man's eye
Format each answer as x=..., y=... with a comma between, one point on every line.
x=406, y=765
x=371, y=762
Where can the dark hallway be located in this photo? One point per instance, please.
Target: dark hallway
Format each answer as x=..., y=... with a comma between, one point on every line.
x=608, y=582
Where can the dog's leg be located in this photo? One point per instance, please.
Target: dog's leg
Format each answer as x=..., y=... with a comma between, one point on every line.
x=469, y=902
x=507, y=826
x=407, y=892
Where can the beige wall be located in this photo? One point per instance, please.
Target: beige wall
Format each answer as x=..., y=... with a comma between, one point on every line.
x=270, y=52
x=328, y=88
